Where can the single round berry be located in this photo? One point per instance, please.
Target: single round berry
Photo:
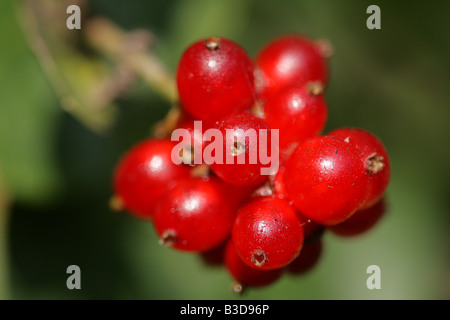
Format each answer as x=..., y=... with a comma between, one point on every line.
x=289, y=60
x=215, y=79
x=323, y=178
x=374, y=160
x=361, y=221
x=195, y=215
x=245, y=139
x=247, y=276
x=299, y=112
x=267, y=233
x=144, y=174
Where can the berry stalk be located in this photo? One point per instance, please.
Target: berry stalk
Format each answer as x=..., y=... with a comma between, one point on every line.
x=132, y=49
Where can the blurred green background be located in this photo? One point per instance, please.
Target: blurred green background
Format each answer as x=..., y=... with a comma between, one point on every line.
x=55, y=167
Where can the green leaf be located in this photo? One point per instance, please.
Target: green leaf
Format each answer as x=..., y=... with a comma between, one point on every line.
x=28, y=116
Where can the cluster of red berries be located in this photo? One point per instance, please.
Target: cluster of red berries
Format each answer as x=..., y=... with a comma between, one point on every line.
x=261, y=224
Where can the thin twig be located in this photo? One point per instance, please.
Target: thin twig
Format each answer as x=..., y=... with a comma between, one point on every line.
x=55, y=48
x=30, y=25
x=132, y=48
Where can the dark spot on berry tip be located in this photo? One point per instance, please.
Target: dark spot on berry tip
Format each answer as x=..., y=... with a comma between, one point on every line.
x=337, y=151
x=374, y=163
x=168, y=238
x=259, y=258
x=213, y=43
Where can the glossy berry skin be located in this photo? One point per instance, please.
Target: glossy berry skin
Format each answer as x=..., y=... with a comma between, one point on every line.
x=311, y=229
x=245, y=275
x=195, y=215
x=267, y=233
x=299, y=112
x=374, y=160
x=323, y=178
x=241, y=161
x=288, y=60
x=215, y=79
x=144, y=174
x=275, y=187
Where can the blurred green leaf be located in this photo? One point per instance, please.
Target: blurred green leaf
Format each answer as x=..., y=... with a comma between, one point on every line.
x=28, y=116
x=85, y=85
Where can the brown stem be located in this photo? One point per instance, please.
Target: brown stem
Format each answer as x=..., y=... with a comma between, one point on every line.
x=116, y=204
x=132, y=49
x=164, y=128
x=33, y=34
x=54, y=46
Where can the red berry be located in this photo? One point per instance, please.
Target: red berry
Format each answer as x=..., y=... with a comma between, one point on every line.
x=245, y=275
x=195, y=215
x=289, y=60
x=299, y=112
x=374, y=160
x=244, y=137
x=323, y=178
x=360, y=222
x=275, y=187
x=238, y=196
x=144, y=174
x=311, y=229
x=215, y=79
x=267, y=233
